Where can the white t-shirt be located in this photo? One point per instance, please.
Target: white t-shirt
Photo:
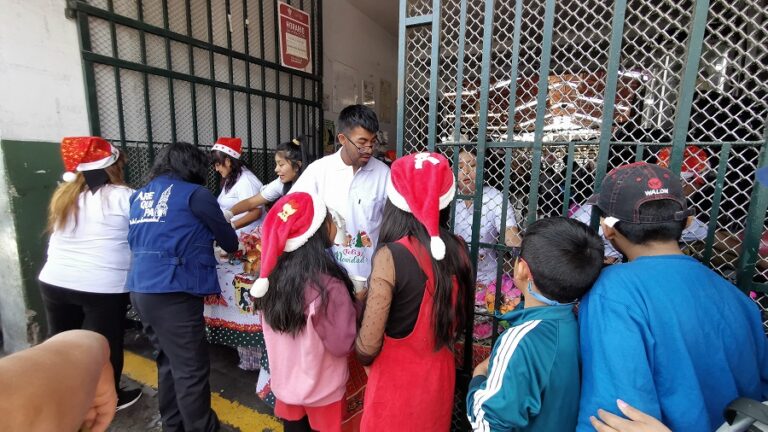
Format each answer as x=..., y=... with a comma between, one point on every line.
x=358, y=197
x=490, y=229
x=94, y=255
x=273, y=191
x=246, y=186
x=697, y=231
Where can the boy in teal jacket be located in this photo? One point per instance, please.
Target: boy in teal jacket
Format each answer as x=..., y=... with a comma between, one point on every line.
x=531, y=381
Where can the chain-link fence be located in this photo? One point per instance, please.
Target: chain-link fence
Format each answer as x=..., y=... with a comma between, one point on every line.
x=535, y=101
x=164, y=71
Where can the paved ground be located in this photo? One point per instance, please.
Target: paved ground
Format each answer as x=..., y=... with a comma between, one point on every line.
x=233, y=392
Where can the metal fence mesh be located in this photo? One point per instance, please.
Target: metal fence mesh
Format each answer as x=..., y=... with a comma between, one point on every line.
x=726, y=127
x=173, y=88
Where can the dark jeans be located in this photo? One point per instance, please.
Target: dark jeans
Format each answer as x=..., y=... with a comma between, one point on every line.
x=69, y=309
x=175, y=326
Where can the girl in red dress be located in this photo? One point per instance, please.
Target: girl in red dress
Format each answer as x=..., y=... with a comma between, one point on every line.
x=416, y=302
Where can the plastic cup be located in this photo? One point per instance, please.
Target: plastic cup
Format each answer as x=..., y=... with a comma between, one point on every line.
x=359, y=282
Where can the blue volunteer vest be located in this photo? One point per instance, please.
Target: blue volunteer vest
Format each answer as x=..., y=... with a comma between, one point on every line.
x=172, y=250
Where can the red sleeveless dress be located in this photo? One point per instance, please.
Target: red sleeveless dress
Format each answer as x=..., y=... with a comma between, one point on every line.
x=410, y=385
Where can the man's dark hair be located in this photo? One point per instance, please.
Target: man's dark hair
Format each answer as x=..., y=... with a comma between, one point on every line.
x=643, y=233
x=358, y=115
x=564, y=256
x=182, y=160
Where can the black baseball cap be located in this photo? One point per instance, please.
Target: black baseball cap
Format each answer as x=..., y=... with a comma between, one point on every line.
x=627, y=187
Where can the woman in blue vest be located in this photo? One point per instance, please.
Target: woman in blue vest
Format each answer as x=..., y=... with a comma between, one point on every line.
x=174, y=221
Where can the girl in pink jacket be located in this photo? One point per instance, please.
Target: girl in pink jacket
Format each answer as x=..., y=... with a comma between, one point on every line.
x=309, y=314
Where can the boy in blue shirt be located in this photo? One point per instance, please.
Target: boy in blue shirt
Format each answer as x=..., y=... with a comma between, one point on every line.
x=531, y=380
x=663, y=332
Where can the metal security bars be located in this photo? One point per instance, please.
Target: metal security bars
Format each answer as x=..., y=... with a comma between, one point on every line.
x=159, y=71
x=551, y=95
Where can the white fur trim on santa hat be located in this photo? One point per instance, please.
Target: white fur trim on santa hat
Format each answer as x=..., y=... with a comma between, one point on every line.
x=260, y=287
x=399, y=201
x=69, y=176
x=318, y=217
x=437, y=246
x=225, y=149
x=100, y=164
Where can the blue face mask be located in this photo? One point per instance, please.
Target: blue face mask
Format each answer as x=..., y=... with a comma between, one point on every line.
x=543, y=299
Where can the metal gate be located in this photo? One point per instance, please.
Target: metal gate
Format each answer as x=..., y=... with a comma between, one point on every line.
x=161, y=71
x=553, y=94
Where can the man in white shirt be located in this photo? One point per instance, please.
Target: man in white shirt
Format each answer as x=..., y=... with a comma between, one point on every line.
x=352, y=183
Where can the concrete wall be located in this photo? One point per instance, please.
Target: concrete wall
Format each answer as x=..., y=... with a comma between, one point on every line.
x=42, y=99
x=354, y=39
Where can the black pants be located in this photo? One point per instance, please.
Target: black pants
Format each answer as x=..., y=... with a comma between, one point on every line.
x=175, y=326
x=68, y=309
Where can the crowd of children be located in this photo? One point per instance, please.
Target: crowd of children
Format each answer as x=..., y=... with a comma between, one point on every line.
x=662, y=332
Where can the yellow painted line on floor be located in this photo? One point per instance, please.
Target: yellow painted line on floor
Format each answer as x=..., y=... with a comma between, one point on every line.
x=230, y=412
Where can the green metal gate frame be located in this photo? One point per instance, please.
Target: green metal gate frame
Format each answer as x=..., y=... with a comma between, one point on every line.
x=425, y=16
x=260, y=86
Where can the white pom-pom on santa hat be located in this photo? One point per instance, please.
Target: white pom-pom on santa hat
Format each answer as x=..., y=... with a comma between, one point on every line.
x=260, y=287
x=69, y=176
x=292, y=220
x=423, y=184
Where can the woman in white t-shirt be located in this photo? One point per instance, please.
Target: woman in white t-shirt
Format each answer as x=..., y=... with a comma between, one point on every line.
x=230, y=317
x=289, y=161
x=83, y=280
x=491, y=218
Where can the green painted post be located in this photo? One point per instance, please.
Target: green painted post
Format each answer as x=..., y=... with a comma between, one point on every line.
x=609, y=98
x=688, y=84
x=569, y=161
x=91, y=101
x=516, y=33
x=249, y=133
x=193, y=89
x=118, y=87
x=215, y=122
x=541, y=109
x=401, y=64
x=169, y=66
x=147, y=108
x=434, y=72
x=715, y=211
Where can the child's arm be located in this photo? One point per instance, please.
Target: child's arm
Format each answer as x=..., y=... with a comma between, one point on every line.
x=336, y=325
x=252, y=216
x=248, y=204
x=377, y=304
x=510, y=394
x=614, y=360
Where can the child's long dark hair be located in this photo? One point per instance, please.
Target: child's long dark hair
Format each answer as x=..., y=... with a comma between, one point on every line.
x=284, y=304
x=238, y=165
x=295, y=155
x=449, y=314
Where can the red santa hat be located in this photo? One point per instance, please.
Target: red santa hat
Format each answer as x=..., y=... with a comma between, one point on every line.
x=423, y=184
x=695, y=162
x=86, y=154
x=230, y=146
x=292, y=220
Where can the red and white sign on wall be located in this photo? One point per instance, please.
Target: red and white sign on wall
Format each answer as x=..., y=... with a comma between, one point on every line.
x=295, y=46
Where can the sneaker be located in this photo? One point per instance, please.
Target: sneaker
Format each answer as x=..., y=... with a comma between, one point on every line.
x=126, y=398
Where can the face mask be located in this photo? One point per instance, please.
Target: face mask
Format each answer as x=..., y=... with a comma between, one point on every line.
x=543, y=299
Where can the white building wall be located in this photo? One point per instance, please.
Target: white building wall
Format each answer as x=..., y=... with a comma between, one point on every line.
x=357, y=41
x=42, y=96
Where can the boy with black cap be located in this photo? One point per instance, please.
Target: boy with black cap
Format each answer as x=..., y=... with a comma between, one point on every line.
x=663, y=332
